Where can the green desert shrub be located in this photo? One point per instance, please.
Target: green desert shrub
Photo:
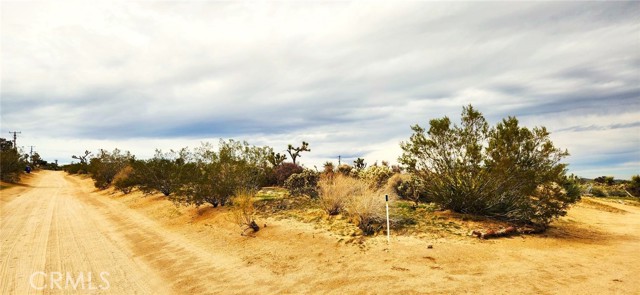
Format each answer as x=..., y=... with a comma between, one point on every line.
x=11, y=163
x=409, y=187
x=617, y=193
x=598, y=192
x=125, y=180
x=303, y=183
x=606, y=180
x=74, y=168
x=634, y=186
x=376, y=176
x=506, y=171
x=215, y=176
x=165, y=172
x=106, y=165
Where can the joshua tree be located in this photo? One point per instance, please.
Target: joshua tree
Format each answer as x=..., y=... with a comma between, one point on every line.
x=294, y=152
x=84, y=163
x=83, y=159
x=276, y=158
x=359, y=164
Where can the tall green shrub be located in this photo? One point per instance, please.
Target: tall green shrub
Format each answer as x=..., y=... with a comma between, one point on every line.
x=165, y=172
x=506, y=171
x=106, y=165
x=216, y=176
x=12, y=163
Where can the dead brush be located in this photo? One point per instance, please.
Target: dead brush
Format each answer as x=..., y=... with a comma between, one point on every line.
x=243, y=211
x=336, y=190
x=362, y=203
x=367, y=210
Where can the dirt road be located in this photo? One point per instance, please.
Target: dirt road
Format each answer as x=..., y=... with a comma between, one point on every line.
x=56, y=225
x=57, y=231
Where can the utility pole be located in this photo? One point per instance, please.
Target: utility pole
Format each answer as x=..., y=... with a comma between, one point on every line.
x=15, y=146
x=339, y=158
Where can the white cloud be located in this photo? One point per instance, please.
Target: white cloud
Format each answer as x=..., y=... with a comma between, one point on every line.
x=350, y=78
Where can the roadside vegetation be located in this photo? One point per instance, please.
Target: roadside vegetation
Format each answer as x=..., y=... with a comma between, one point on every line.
x=504, y=175
x=14, y=162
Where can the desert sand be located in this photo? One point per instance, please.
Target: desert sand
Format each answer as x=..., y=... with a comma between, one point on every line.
x=57, y=223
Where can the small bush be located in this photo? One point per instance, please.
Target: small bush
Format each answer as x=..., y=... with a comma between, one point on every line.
x=106, y=165
x=328, y=168
x=606, y=180
x=125, y=180
x=598, y=192
x=345, y=169
x=285, y=170
x=616, y=193
x=409, y=188
x=376, y=176
x=244, y=211
x=634, y=185
x=304, y=183
x=75, y=168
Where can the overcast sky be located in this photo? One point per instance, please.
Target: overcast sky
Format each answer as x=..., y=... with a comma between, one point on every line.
x=348, y=77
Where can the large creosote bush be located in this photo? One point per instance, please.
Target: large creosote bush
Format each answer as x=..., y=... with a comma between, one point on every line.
x=215, y=176
x=165, y=172
x=106, y=165
x=507, y=171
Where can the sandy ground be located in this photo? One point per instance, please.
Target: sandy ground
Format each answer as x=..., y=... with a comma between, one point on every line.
x=145, y=245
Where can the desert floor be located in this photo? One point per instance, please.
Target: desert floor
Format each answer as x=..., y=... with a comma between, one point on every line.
x=56, y=223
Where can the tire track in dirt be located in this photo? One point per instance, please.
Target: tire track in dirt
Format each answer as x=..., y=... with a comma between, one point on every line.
x=59, y=225
x=185, y=267
x=46, y=231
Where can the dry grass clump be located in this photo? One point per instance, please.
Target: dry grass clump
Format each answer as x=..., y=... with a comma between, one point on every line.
x=356, y=198
x=244, y=212
x=335, y=191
